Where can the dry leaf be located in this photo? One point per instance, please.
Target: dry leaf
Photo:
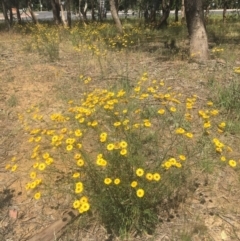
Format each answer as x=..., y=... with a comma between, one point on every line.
x=224, y=235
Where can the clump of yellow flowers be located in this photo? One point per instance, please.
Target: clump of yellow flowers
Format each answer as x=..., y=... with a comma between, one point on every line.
x=120, y=153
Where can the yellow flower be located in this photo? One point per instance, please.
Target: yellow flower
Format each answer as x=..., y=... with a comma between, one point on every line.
x=139, y=172
x=210, y=103
x=33, y=185
x=85, y=207
x=189, y=135
x=28, y=186
x=14, y=167
x=156, y=177
x=123, y=152
x=232, y=163
x=222, y=125
x=103, y=135
x=110, y=146
x=41, y=166
x=78, y=190
x=116, y=181
x=33, y=175
x=64, y=130
x=79, y=145
x=116, y=124
x=76, y=204
x=107, y=181
x=78, y=133
x=80, y=162
x=83, y=199
x=178, y=165
x=38, y=138
x=147, y=123
x=223, y=158
x=77, y=156
x=173, y=109
x=13, y=159
x=180, y=130
x=182, y=157
x=46, y=155
x=134, y=184
x=140, y=193
x=161, y=111
x=79, y=185
x=149, y=176
x=55, y=138
x=37, y=195
x=207, y=125
x=69, y=147
x=35, y=165
x=214, y=112
x=137, y=125
x=76, y=175
x=123, y=144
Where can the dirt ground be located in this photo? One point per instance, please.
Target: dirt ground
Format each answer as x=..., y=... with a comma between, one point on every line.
x=211, y=210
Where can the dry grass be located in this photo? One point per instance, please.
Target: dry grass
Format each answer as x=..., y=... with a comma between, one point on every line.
x=209, y=210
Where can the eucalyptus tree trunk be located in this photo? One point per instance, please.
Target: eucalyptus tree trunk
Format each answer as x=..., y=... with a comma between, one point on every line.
x=115, y=15
x=18, y=13
x=182, y=12
x=166, y=7
x=34, y=18
x=4, y=8
x=69, y=19
x=225, y=7
x=93, y=11
x=56, y=11
x=196, y=29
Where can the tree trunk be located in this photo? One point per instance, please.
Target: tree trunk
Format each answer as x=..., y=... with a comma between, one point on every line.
x=176, y=13
x=182, y=12
x=115, y=15
x=56, y=11
x=93, y=11
x=11, y=16
x=62, y=14
x=225, y=7
x=196, y=29
x=34, y=18
x=166, y=7
x=19, y=16
x=4, y=8
x=69, y=19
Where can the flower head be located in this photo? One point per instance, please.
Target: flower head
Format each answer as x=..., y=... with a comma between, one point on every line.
x=139, y=172
x=140, y=193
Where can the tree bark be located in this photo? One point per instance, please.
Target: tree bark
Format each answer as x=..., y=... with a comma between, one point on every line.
x=34, y=18
x=92, y=10
x=225, y=7
x=182, y=12
x=56, y=11
x=18, y=13
x=4, y=8
x=62, y=14
x=166, y=7
x=196, y=29
x=115, y=16
x=69, y=19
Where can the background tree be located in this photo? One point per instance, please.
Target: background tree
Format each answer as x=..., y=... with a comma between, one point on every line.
x=115, y=15
x=196, y=29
